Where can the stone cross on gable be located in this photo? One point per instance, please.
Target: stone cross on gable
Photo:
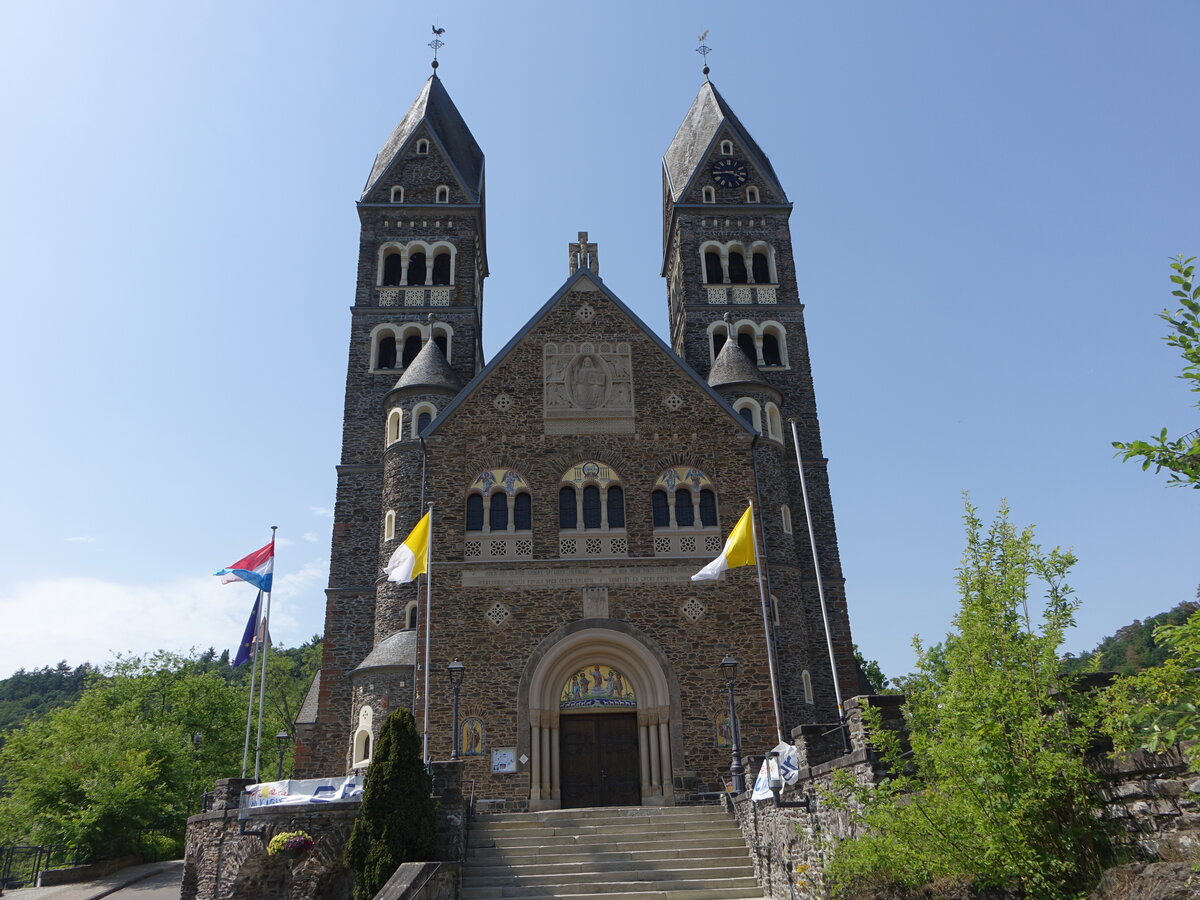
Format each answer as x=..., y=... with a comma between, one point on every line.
x=582, y=255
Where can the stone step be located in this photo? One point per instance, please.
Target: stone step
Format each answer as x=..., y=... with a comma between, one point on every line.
x=602, y=862
x=594, y=838
x=633, y=824
x=682, y=870
x=679, y=889
x=569, y=852
x=603, y=812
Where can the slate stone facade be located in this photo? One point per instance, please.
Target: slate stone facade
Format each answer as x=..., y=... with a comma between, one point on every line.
x=587, y=414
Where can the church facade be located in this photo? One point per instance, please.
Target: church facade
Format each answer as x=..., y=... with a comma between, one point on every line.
x=577, y=481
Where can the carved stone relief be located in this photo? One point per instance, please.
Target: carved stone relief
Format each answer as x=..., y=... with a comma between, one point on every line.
x=588, y=387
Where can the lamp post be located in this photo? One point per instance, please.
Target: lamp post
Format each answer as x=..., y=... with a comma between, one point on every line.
x=729, y=667
x=281, y=742
x=455, y=670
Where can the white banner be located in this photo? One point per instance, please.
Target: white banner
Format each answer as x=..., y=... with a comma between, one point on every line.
x=309, y=790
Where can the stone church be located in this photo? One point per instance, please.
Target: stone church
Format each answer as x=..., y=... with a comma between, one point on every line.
x=577, y=480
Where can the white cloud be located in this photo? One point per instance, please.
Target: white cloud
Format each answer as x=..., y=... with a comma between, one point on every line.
x=91, y=620
x=82, y=539
x=310, y=537
x=323, y=511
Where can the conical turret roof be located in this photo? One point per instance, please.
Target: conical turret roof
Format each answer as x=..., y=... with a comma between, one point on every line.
x=434, y=108
x=430, y=369
x=734, y=367
x=708, y=115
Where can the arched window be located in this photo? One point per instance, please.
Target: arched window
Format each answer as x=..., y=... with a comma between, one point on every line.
x=746, y=341
x=416, y=268
x=616, y=506
x=708, y=195
x=775, y=609
x=774, y=423
x=770, y=345
x=808, y=691
x=441, y=268
x=749, y=410
x=661, y=509
x=718, y=341
x=685, y=514
x=712, y=268
x=412, y=346
x=393, y=266
x=475, y=512
x=422, y=147
x=591, y=506
x=362, y=748
x=498, y=512
x=443, y=194
x=785, y=515
x=708, y=509
x=397, y=194
x=395, y=425
x=385, y=357
x=422, y=415
x=442, y=344
x=523, y=513
x=410, y=614
x=727, y=148
x=762, y=268
x=389, y=525
x=567, y=510
x=737, y=268
x=751, y=194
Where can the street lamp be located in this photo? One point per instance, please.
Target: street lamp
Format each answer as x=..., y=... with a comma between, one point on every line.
x=729, y=667
x=281, y=742
x=455, y=670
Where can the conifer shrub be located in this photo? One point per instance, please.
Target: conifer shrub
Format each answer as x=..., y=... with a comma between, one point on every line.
x=396, y=823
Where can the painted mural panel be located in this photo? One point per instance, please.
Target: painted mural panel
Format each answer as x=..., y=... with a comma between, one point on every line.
x=471, y=737
x=597, y=686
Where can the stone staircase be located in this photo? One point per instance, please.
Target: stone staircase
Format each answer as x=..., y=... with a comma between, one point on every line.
x=608, y=853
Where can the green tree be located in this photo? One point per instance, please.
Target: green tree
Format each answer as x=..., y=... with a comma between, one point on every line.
x=1179, y=456
x=1155, y=708
x=1134, y=646
x=994, y=792
x=872, y=672
x=396, y=823
x=132, y=755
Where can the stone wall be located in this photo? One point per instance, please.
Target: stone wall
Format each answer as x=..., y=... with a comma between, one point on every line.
x=226, y=849
x=1150, y=795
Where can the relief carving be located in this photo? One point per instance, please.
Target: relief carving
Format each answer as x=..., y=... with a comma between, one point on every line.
x=588, y=388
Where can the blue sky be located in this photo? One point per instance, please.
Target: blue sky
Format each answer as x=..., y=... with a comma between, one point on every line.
x=985, y=196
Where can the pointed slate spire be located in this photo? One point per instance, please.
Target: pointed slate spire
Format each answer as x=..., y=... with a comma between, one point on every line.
x=434, y=108
x=430, y=369
x=734, y=367
x=694, y=140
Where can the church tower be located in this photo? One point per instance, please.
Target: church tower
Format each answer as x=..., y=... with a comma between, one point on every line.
x=415, y=339
x=736, y=317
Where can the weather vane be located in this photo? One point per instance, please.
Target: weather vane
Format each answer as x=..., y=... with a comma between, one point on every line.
x=437, y=43
x=704, y=51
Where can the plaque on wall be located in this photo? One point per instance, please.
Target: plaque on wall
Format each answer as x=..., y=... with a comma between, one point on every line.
x=504, y=760
x=588, y=388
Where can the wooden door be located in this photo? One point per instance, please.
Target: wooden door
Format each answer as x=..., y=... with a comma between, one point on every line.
x=599, y=760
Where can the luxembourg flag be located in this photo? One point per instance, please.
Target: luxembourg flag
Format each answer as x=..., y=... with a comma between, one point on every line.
x=254, y=569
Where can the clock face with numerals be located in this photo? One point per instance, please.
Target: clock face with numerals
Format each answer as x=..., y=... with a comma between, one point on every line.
x=729, y=173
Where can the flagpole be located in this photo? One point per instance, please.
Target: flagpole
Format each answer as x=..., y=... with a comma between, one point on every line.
x=253, y=675
x=812, y=540
x=428, y=631
x=262, y=681
x=762, y=598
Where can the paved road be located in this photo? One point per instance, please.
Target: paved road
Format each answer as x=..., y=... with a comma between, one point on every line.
x=153, y=881
x=163, y=886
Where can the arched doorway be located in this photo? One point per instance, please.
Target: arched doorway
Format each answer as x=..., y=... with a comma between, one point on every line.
x=599, y=711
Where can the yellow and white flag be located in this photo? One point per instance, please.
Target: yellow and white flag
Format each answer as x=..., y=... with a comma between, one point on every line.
x=739, y=550
x=412, y=557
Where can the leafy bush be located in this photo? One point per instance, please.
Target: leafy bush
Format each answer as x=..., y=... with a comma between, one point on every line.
x=995, y=792
x=396, y=823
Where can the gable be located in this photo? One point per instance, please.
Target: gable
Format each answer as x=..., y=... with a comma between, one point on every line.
x=586, y=364
x=419, y=174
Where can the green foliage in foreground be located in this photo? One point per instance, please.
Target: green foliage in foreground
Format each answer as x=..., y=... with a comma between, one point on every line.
x=1155, y=708
x=995, y=790
x=121, y=768
x=1179, y=456
x=396, y=823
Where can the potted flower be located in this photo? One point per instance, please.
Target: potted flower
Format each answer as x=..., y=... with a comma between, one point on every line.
x=291, y=844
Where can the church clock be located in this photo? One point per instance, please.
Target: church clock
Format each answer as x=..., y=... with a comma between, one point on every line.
x=729, y=173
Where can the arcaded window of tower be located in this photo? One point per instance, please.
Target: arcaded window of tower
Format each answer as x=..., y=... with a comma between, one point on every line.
x=441, y=268
x=737, y=268
x=762, y=268
x=412, y=346
x=393, y=268
x=712, y=268
x=416, y=268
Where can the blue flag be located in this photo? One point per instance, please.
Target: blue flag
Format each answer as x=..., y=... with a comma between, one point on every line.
x=244, y=648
